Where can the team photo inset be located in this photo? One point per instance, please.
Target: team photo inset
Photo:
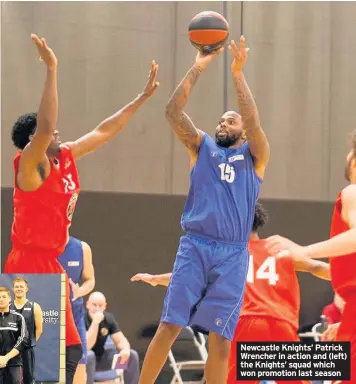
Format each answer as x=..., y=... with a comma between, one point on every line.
x=31, y=339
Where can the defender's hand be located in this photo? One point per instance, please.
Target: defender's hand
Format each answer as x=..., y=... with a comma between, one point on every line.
x=152, y=83
x=146, y=278
x=280, y=246
x=46, y=53
x=239, y=53
x=202, y=60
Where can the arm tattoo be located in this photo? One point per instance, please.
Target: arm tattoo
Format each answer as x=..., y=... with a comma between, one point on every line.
x=247, y=105
x=180, y=121
x=255, y=136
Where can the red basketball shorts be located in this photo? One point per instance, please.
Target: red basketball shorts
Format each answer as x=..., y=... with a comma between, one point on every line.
x=258, y=328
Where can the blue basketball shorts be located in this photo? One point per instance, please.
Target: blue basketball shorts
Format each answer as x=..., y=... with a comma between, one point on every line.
x=207, y=285
x=78, y=314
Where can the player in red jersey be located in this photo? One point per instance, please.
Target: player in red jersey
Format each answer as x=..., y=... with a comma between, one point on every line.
x=340, y=249
x=47, y=185
x=270, y=310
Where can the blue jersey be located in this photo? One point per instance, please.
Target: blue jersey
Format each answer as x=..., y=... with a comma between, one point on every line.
x=72, y=262
x=223, y=191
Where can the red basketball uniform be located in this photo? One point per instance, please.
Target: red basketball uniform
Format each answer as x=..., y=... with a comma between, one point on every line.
x=270, y=311
x=40, y=226
x=343, y=278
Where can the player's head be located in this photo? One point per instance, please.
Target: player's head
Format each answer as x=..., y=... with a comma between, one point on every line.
x=24, y=129
x=350, y=170
x=20, y=287
x=229, y=129
x=261, y=217
x=5, y=298
x=96, y=303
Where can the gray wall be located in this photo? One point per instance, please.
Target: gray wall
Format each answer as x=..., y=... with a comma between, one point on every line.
x=300, y=69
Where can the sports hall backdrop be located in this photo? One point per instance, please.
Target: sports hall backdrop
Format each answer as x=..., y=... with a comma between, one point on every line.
x=301, y=72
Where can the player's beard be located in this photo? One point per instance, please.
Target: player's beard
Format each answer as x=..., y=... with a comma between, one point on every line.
x=227, y=141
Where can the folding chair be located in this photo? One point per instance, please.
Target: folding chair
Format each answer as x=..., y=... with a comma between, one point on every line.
x=116, y=375
x=199, y=342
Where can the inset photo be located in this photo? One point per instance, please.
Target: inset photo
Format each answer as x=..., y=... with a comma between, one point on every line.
x=32, y=328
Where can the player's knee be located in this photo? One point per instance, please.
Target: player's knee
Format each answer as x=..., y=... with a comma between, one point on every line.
x=169, y=331
x=219, y=346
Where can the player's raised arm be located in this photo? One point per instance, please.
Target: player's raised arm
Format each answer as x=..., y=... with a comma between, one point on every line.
x=109, y=128
x=256, y=137
x=182, y=125
x=35, y=151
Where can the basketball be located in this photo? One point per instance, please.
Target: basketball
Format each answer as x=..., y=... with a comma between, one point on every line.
x=208, y=31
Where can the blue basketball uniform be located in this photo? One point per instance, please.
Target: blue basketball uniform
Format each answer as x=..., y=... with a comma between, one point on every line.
x=72, y=262
x=209, y=275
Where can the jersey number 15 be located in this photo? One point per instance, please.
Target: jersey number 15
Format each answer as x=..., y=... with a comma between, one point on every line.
x=267, y=271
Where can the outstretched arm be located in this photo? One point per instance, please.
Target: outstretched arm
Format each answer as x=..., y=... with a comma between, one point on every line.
x=182, y=125
x=111, y=126
x=256, y=137
x=340, y=245
x=153, y=279
x=344, y=243
x=317, y=268
x=35, y=152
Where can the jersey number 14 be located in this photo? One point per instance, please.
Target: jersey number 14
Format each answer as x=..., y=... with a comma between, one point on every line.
x=267, y=271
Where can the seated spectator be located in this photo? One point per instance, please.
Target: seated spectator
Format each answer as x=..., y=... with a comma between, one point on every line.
x=333, y=311
x=101, y=324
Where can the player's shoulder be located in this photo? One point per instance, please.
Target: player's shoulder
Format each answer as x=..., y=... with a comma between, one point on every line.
x=66, y=146
x=348, y=192
x=35, y=305
x=67, y=151
x=85, y=245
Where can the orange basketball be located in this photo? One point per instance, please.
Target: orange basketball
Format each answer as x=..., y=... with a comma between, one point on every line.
x=208, y=31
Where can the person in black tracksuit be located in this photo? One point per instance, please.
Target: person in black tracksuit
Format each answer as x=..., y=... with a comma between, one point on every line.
x=32, y=314
x=13, y=337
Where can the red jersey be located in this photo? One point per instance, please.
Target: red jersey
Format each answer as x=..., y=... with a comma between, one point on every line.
x=342, y=268
x=272, y=287
x=42, y=217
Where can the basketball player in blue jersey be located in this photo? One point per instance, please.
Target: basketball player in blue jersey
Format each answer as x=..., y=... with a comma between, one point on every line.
x=209, y=274
x=77, y=262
